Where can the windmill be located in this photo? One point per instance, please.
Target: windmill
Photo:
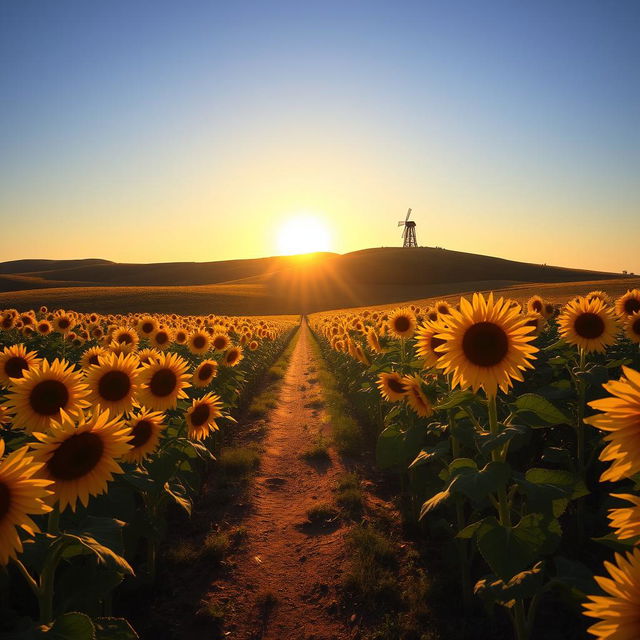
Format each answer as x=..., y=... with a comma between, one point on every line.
x=409, y=233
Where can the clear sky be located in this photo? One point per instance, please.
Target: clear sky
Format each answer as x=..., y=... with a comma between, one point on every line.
x=155, y=131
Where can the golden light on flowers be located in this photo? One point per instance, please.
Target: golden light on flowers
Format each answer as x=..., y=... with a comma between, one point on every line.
x=125, y=336
x=621, y=419
x=629, y=303
x=535, y=304
x=44, y=327
x=372, y=341
x=44, y=393
x=486, y=345
x=199, y=342
x=145, y=429
x=113, y=382
x=536, y=321
x=15, y=361
x=588, y=324
x=201, y=416
x=416, y=397
x=632, y=327
x=391, y=386
x=232, y=356
x=619, y=610
x=147, y=355
x=63, y=323
x=81, y=459
x=402, y=323
x=21, y=496
x=626, y=521
x=92, y=356
x=161, y=339
x=220, y=341
x=427, y=342
x=442, y=307
x=205, y=372
x=162, y=382
x=147, y=326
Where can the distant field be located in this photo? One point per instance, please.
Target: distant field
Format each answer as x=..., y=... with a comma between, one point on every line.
x=283, y=285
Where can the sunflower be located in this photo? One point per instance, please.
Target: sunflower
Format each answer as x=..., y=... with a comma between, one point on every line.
x=220, y=341
x=113, y=382
x=373, y=341
x=199, y=343
x=21, y=495
x=416, y=397
x=201, y=416
x=145, y=429
x=619, y=611
x=126, y=337
x=44, y=327
x=486, y=345
x=145, y=356
x=63, y=323
x=147, y=326
x=81, y=459
x=598, y=294
x=180, y=336
x=535, y=304
x=205, y=373
x=620, y=417
x=4, y=415
x=161, y=339
x=402, y=323
x=629, y=303
x=162, y=382
x=626, y=521
x=232, y=356
x=442, y=308
x=362, y=356
x=92, y=356
x=253, y=345
x=427, y=343
x=632, y=327
x=589, y=325
x=45, y=392
x=15, y=361
x=392, y=386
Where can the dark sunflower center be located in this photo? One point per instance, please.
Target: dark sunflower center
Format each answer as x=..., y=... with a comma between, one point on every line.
x=163, y=383
x=125, y=338
x=536, y=305
x=5, y=500
x=199, y=342
x=44, y=327
x=635, y=327
x=395, y=385
x=485, y=344
x=93, y=359
x=147, y=327
x=48, y=397
x=436, y=342
x=205, y=372
x=161, y=337
x=402, y=324
x=14, y=366
x=219, y=343
x=114, y=386
x=7, y=323
x=141, y=433
x=200, y=415
x=63, y=323
x=631, y=305
x=589, y=325
x=76, y=456
x=232, y=356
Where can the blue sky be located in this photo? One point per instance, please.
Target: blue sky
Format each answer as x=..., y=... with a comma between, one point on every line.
x=152, y=131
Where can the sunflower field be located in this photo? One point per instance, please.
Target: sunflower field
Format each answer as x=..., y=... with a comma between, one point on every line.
x=514, y=428
x=105, y=423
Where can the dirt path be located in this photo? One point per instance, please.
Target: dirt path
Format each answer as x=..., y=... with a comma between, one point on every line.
x=283, y=586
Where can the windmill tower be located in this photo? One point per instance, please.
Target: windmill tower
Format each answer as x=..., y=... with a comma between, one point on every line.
x=409, y=233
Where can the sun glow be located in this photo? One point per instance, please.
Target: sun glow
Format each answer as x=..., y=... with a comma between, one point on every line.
x=303, y=234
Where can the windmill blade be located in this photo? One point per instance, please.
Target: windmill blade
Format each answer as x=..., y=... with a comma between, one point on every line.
x=404, y=233
x=401, y=223
x=408, y=214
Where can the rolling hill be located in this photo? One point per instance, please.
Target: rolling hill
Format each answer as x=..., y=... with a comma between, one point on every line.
x=289, y=284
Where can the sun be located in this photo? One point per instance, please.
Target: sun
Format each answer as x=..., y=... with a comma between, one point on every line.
x=303, y=233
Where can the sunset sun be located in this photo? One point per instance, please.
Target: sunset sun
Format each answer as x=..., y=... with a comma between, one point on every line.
x=303, y=234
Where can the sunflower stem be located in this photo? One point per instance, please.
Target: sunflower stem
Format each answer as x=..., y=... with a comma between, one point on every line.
x=33, y=585
x=496, y=456
x=519, y=620
x=580, y=444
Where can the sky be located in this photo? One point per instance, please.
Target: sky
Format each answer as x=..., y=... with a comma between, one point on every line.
x=142, y=131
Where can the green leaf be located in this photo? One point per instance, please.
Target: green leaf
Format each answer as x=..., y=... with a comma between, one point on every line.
x=429, y=455
x=574, y=575
x=515, y=435
x=179, y=494
x=434, y=502
x=611, y=541
x=71, y=626
x=470, y=530
x=390, y=448
x=456, y=399
x=478, y=484
x=541, y=408
x=114, y=629
x=75, y=545
x=524, y=584
x=510, y=550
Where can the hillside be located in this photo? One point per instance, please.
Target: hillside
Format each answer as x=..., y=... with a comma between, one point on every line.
x=272, y=285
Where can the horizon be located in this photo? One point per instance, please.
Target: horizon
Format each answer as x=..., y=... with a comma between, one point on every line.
x=495, y=124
